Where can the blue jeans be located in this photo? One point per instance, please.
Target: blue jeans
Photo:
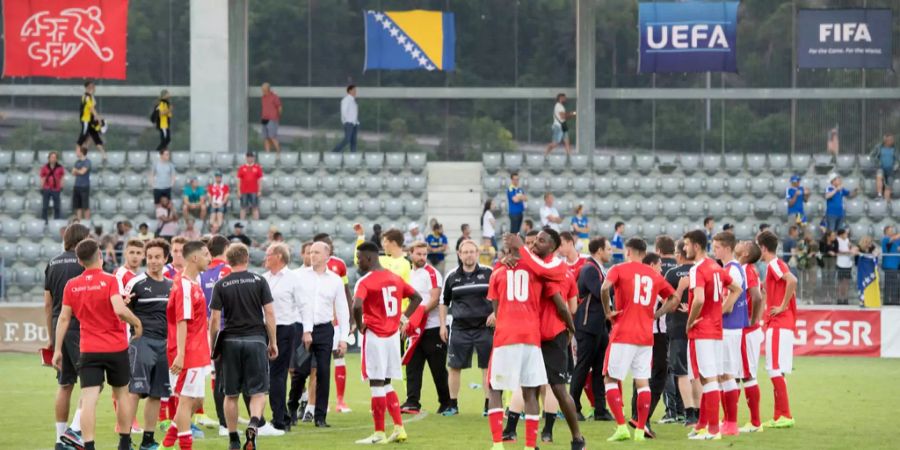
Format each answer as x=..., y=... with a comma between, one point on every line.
x=834, y=223
x=47, y=196
x=349, y=138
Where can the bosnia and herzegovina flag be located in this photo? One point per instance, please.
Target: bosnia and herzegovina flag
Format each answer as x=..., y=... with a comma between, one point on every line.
x=410, y=40
x=867, y=281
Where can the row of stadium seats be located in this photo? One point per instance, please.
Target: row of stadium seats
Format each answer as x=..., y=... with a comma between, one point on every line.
x=374, y=162
x=688, y=163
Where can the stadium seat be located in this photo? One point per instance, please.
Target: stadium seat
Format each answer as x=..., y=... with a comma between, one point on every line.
x=68, y=159
x=284, y=205
x=414, y=208
x=8, y=253
x=644, y=163
x=268, y=183
x=268, y=161
x=512, y=161
x=491, y=162
x=693, y=186
x=602, y=163
x=344, y=230
x=857, y=230
x=267, y=206
x=6, y=158
x=373, y=184
x=33, y=228
x=394, y=185
x=416, y=162
x=371, y=207
x=181, y=159
x=845, y=164
x=670, y=185
x=30, y=252
x=55, y=225
x=19, y=182
x=14, y=204
x=604, y=185
x=535, y=185
x=712, y=164
x=756, y=163
x=112, y=181
x=559, y=185
x=306, y=207
x=134, y=183
x=780, y=185
x=24, y=160
x=649, y=230
x=717, y=207
x=761, y=185
x=34, y=202
x=715, y=185
x=763, y=207
x=287, y=184
x=12, y=228
x=106, y=205
x=129, y=205
x=800, y=163
x=416, y=185
x=779, y=163
x=623, y=162
x=395, y=161
x=304, y=229
x=581, y=185
x=823, y=163
x=603, y=207
x=694, y=208
x=374, y=161
x=557, y=163
x=877, y=209
x=743, y=230
x=393, y=208
x=854, y=207
x=285, y=227
x=851, y=183
x=288, y=161
x=309, y=184
x=689, y=163
x=490, y=184
x=257, y=256
x=667, y=162
x=627, y=207
x=671, y=207
x=223, y=161
x=674, y=229
x=148, y=207
x=258, y=230
x=333, y=161
x=325, y=226
x=867, y=164
x=649, y=208
x=579, y=163
x=27, y=276
x=330, y=184
x=354, y=161
x=309, y=161
x=535, y=162
x=201, y=161
x=114, y=160
x=3, y=181
x=737, y=186
x=740, y=208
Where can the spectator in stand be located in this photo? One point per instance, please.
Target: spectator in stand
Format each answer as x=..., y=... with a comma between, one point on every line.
x=890, y=262
x=834, y=202
x=164, y=120
x=412, y=235
x=218, y=199
x=350, y=120
x=709, y=226
x=844, y=265
x=618, y=243
x=271, y=116
x=549, y=215
x=466, y=234
x=827, y=255
x=239, y=236
x=52, y=175
x=167, y=219
x=194, y=200
x=90, y=120
x=886, y=155
x=190, y=232
x=488, y=223
x=789, y=246
x=581, y=229
x=515, y=199
x=527, y=227
x=796, y=196
x=162, y=176
x=144, y=233
x=250, y=188
x=487, y=253
x=560, y=127
x=437, y=247
x=81, y=191
x=376, y=236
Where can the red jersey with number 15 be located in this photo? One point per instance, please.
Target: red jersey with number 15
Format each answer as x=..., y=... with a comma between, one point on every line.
x=518, y=296
x=637, y=287
x=712, y=278
x=381, y=291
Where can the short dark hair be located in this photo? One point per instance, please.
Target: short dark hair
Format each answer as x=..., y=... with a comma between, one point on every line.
x=560, y=95
x=162, y=150
x=277, y=235
x=651, y=258
x=567, y=236
x=514, y=173
x=679, y=248
x=697, y=237
x=322, y=237
x=619, y=224
x=367, y=247
x=529, y=222
x=350, y=88
x=237, y=254
x=158, y=243
x=86, y=250
x=754, y=253
x=191, y=247
x=596, y=244
x=88, y=83
x=636, y=244
x=665, y=245
x=768, y=240
x=74, y=234
x=707, y=220
x=553, y=235
x=532, y=233
x=394, y=235
x=727, y=239
x=217, y=245
x=463, y=227
x=134, y=242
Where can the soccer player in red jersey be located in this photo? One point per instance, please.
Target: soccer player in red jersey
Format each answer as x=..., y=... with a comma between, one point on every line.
x=569, y=254
x=637, y=287
x=93, y=298
x=377, y=311
x=748, y=254
x=133, y=254
x=707, y=286
x=177, y=265
x=187, y=344
x=780, y=323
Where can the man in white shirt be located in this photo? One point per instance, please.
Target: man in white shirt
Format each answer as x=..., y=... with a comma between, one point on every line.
x=560, y=129
x=285, y=287
x=412, y=235
x=350, y=119
x=324, y=299
x=430, y=348
x=549, y=215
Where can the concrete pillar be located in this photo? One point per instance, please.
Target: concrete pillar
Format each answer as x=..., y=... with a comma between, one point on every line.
x=218, y=75
x=585, y=76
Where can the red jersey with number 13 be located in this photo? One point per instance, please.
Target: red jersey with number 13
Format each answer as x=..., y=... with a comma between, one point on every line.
x=381, y=291
x=637, y=287
x=518, y=296
x=712, y=278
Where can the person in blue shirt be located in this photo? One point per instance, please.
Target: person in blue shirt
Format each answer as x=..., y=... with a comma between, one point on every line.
x=796, y=196
x=618, y=244
x=890, y=262
x=834, y=203
x=437, y=247
x=581, y=228
x=515, y=198
x=886, y=155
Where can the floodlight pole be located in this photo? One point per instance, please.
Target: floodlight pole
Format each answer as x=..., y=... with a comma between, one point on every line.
x=585, y=63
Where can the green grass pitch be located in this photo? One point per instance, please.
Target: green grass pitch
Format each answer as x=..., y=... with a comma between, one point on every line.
x=839, y=403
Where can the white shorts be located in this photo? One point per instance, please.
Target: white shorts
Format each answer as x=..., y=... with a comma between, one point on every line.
x=190, y=382
x=704, y=358
x=779, y=350
x=732, y=362
x=621, y=357
x=750, y=348
x=381, y=357
x=516, y=365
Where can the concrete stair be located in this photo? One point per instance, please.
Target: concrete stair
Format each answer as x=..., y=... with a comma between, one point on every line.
x=454, y=198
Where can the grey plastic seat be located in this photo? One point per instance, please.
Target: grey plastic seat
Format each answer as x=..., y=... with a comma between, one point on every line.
x=414, y=208
x=394, y=185
x=14, y=204
x=416, y=162
x=288, y=161
x=393, y=208
x=328, y=208
x=740, y=208
x=374, y=161
x=823, y=162
x=512, y=161
x=11, y=228
x=737, y=186
x=491, y=162
x=579, y=163
x=309, y=161
x=112, y=182
x=581, y=185
x=604, y=207
x=114, y=160
x=33, y=228
x=53, y=228
x=24, y=159
x=649, y=208
x=331, y=184
x=221, y=160
x=670, y=185
x=623, y=162
x=258, y=229
x=877, y=209
x=761, y=185
x=756, y=163
x=26, y=276
x=9, y=252
x=693, y=186
x=351, y=184
x=325, y=226
x=851, y=183
x=267, y=206
x=715, y=185
x=558, y=185
x=306, y=207
x=845, y=163
x=490, y=184
x=304, y=229
x=779, y=163
x=344, y=230
x=333, y=161
x=645, y=163
x=416, y=184
x=374, y=184
x=780, y=185
x=627, y=207
x=309, y=184
x=800, y=163
x=30, y=252
x=855, y=207
x=395, y=161
x=6, y=158
x=284, y=205
x=717, y=207
x=667, y=161
x=649, y=230
x=286, y=183
x=689, y=163
x=674, y=228
x=671, y=207
x=3, y=181
x=734, y=163
x=201, y=161
x=604, y=185
x=133, y=182
x=371, y=207
x=602, y=163
x=743, y=230
x=763, y=207
x=535, y=185
x=129, y=205
x=868, y=164
x=286, y=227
x=268, y=161
x=34, y=203
x=19, y=182
x=857, y=230
x=108, y=205
x=694, y=208
x=182, y=159
x=268, y=184
x=557, y=163
x=711, y=163
x=349, y=207
x=535, y=162
x=603, y=228
x=68, y=159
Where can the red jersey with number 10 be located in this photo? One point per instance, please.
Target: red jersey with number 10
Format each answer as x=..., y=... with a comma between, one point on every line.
x=637, y=287
x=518, y=296
x=712, y=278
x=381, y=291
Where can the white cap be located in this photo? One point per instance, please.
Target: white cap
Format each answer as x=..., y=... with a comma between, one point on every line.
x=412, y=226
x=833, y=176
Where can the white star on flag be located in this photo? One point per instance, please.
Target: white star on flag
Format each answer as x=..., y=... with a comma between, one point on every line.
x=429, y=67
x=416, y=53
x=386, y=24
x=408, y=47
x=379, y=16
x=422, y=61
x=394, y=31
x=401, y=39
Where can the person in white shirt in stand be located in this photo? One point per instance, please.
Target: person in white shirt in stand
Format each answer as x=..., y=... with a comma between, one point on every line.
x=412, y=235
x=350, y=119
x=560, y=128
x=549, y=215
x=324, y=299
x=285, y=287
x=844, y=266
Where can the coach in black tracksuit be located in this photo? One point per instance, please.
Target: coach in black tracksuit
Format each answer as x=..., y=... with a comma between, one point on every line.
x=591, y=332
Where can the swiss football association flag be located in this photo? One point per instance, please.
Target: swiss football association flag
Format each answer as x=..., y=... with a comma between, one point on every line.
x=65, y=38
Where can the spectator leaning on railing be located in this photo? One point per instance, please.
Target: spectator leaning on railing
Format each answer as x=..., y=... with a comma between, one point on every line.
x=890, y=262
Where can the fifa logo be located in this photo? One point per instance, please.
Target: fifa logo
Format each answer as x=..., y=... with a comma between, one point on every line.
x=58, y=39
x=844, y=32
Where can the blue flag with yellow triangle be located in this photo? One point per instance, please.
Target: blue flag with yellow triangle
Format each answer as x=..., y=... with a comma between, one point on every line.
x=867, y=281
x=410, y=40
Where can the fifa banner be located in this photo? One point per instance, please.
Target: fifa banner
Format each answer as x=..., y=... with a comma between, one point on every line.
x=410, y=40
x=688, y=37
x=65, y=38
x=844, y=38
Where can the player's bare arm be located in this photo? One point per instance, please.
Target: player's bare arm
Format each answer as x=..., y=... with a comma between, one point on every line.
x=414, y=300
x=48, y=313
x=125, y=313
x=734, y=291
x=62, y=325
x=696, y=307
x=180, y=344
x=789, y=291
x=357, y=314
x=562, y=311
x=668, y=306
x=269, y=311
x=604, y=297
x=214, y=320
x=757, y=305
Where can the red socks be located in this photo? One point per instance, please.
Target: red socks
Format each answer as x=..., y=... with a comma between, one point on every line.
x=614, y=399
x=701, y=419
x=782, y=405
x=163, y=407
x=495, y=419
x=340, y=379
x=393, y=405
x=173, y=407
x=185, y=440
x=531, y=429
x=752, y=393
x=731, y=393
x=171, y=436
x=643, y=406
x=711, y=404
x=379, y=405
x=199, y=410
x=589, y=390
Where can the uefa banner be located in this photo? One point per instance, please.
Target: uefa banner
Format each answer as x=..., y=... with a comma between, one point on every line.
x=844, y=38
x=688, y=37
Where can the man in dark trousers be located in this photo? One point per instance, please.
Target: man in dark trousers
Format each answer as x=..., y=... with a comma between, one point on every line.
x=676, y=331
x=591, y=332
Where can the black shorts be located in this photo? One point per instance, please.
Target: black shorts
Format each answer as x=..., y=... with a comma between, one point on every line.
x=149, y=368
x=844, y=274
x=245, y=366
x=81, y=197
x=87, y=130
x=93, y=367
x=71, y=354
x=556, y=359
x=463, y=342
x=159, y=193
x=678, y=357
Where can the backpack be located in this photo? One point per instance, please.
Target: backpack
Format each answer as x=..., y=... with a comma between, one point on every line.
x=154, y=115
